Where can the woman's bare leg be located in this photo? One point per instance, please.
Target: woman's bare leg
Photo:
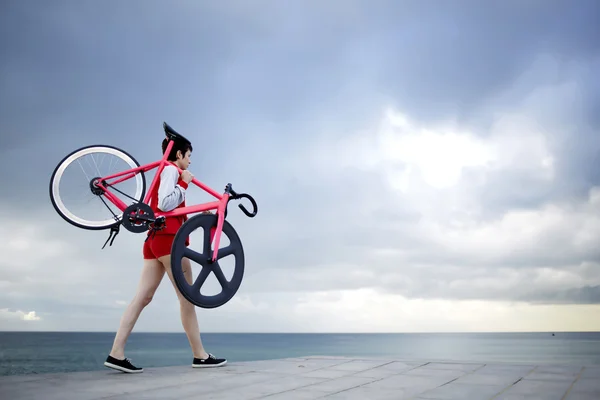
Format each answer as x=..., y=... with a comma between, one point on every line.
x=152, y=274
x=189, y=320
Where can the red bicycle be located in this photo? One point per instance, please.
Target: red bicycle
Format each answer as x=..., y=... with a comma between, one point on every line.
x=138, y=217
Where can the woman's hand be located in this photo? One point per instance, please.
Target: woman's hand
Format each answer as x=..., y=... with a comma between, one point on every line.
x=187, y=176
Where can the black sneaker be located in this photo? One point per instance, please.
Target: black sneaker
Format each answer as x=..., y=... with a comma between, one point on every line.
x=122, y=365
x=209, y=362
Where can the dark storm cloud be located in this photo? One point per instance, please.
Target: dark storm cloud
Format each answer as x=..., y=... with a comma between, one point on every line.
x=89, y=70
x=463, y=52
x=583, y=295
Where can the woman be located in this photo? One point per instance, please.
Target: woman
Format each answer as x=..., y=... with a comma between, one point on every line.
x=168, y=194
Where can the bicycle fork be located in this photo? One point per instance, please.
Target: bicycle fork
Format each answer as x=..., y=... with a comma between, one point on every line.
x=215, y=233
x=230, y=194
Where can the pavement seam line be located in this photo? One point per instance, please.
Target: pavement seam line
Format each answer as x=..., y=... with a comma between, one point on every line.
x=450, y=381
x=350, y=374
x=573, y=383
x=514, y=383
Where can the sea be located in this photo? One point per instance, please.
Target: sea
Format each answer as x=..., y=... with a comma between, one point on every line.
x=51, y=352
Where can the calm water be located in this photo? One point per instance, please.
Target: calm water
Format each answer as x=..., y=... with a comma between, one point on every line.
x=42, y=352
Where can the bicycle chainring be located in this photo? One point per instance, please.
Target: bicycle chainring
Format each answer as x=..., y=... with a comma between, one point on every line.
x=137, y=217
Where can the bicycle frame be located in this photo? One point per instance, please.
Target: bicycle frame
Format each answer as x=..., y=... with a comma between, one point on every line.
x=220, y=204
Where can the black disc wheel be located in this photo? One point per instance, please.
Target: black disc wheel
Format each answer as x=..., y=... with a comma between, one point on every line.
x=191, y=287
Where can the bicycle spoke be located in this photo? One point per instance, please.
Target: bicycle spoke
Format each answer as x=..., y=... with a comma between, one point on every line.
x=201, y=279
x=206, y=246
x=83, y=170
x=195, y=256
x=225, y=251
x=216, y=268
x=101, y=159
x=111, y=164
x=96, y=165
x=89, y=162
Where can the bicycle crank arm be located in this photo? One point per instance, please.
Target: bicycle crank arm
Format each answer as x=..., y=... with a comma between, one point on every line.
x=142, y=218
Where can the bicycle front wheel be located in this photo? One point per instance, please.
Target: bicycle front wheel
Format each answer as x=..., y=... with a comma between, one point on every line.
x=90, y=162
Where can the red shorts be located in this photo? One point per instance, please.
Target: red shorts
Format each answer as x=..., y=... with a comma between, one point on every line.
x=158, y=246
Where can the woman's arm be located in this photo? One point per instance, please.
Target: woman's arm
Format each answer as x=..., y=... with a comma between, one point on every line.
x=170, y=193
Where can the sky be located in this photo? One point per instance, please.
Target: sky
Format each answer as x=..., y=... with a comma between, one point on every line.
x=419, y=166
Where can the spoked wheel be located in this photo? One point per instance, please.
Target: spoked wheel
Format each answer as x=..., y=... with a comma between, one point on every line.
x=95, y=212
x=192, y=290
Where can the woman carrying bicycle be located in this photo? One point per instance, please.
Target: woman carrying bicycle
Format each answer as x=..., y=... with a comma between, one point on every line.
x=169, y=194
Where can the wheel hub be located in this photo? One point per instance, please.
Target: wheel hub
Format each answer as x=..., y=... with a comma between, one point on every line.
x=94, y=186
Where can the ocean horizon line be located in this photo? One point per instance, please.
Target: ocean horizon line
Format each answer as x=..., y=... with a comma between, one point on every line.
x=306, y=333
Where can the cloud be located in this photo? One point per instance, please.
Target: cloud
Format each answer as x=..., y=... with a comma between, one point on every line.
x=367, y=310
x=30, y=316
x=5, y=313
x=416, y=167
x=441, y=210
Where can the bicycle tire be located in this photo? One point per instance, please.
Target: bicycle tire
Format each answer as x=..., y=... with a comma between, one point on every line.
x=56, y=176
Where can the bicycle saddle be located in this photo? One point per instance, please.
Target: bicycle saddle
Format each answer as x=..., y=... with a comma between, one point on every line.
x=172, y=134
